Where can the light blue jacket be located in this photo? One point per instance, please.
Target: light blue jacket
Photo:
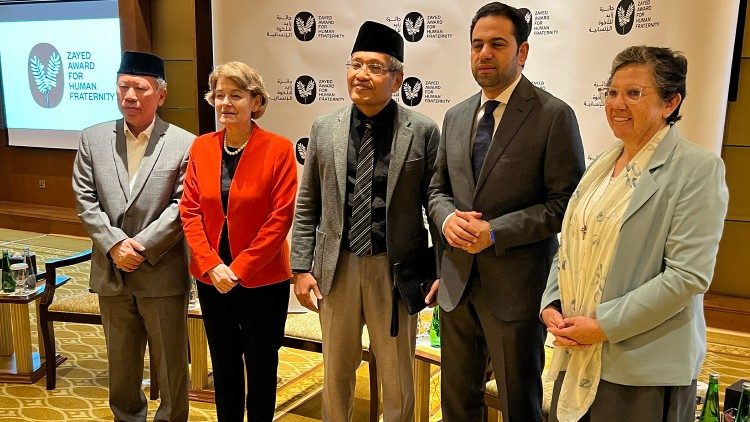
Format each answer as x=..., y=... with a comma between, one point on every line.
x=652, y=304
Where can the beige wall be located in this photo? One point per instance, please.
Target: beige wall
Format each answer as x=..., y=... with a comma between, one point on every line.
x=731, y=276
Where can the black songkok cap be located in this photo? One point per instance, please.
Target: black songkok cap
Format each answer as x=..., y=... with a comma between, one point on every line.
x=379, y=38
x=139, y=63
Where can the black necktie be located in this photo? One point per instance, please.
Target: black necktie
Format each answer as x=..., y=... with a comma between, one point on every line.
x=483, y=136
x=360, y=232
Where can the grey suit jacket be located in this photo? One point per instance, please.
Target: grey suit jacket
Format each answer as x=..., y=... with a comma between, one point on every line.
x=531, y=169
x=149, y=214
x=319, y=216
x=652, y=304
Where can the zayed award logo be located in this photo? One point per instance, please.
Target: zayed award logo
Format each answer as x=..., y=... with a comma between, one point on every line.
x=301, y=150
x=46, y=79
x=411, y=91
x=304, y=26
x=305, y=89
x=625, y=17
x=413, y=26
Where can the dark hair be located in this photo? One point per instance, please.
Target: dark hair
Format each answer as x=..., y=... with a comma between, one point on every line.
x=668, y=68
x=520, y=27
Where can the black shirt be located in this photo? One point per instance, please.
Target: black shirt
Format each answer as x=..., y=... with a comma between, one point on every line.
x=228, y=167
x=382, y=136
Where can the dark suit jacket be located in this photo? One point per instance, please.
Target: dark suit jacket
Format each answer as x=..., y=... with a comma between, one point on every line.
x=149, y=214
x=319, y=216
x=531, y=169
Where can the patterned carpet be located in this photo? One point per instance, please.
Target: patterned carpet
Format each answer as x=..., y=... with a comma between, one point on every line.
x=81, y=393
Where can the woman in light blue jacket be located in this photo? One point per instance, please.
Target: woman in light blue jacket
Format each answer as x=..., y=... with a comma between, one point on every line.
x=624, y=298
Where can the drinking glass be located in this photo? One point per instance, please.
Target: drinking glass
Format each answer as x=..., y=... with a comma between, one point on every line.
x=20, y=273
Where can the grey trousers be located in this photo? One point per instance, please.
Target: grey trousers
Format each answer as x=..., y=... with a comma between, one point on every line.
x=361, y=294
x=615, y=402
x=130, y=321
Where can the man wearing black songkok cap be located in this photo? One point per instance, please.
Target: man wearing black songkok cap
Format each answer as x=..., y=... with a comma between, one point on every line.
x=359, y=211
x=127, y=178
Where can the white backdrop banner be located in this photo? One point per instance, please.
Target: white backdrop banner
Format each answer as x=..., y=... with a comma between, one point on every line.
x=300, y=47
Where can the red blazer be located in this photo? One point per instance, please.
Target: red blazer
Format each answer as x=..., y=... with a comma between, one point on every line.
x=259, y=212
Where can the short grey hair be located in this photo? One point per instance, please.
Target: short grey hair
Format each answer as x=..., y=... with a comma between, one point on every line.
x=246, y=78
x=161, y=84
x=394, y=64
x=668, y=69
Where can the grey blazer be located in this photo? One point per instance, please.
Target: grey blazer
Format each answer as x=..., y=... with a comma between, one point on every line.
x=319, y=216
x=652, y=303
x=149, y=214
x=531, y=169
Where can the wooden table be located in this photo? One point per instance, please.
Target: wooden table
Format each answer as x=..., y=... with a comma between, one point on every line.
x=199, y=390
x=18, y=363
x=424, y=356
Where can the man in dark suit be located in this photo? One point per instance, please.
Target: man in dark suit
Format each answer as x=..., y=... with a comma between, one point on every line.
x=509, y=159
x=359, y=211
x=127, y=178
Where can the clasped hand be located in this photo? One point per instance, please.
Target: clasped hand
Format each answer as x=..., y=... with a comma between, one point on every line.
x=126, y=254
x=223, y=278
x=578, y=332
x=466, y=230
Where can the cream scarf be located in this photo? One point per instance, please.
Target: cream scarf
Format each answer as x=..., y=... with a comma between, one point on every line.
x=590, y=232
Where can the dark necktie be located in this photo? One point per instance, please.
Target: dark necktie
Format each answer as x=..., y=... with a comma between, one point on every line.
x=360, y=232
x=483, y=136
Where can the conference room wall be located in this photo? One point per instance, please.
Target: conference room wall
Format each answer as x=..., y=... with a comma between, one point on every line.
x=180, y=31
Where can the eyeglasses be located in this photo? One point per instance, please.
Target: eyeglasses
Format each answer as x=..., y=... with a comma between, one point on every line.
x=370, y=68
x=631, y=93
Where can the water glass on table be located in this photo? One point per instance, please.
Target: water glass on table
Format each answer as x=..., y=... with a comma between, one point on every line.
x=20, y=273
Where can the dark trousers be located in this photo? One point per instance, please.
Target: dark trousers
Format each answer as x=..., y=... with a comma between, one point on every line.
x=615, y=402
x=245, y=323
x=470, y=335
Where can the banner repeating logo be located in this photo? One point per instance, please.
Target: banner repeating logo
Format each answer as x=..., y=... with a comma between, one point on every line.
x=414, y=26
x=305, y=89
x=304, y=26
x=46, y=78
x=411, y=91
x=625, y=17
x=300, y=149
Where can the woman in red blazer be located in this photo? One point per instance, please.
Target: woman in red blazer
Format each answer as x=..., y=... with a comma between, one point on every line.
x=236, y=209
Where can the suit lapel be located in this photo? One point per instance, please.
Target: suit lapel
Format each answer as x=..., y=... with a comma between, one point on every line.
x=120, y=157
x=401, y=142
x=518, y=108
x=153, y=149
x=341, y=149
x=647, y=186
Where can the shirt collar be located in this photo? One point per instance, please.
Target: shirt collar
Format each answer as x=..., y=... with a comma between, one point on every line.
x=385, y=115
x=504, y=96
x=146, y=132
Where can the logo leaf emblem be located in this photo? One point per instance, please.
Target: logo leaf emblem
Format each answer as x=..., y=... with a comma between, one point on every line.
x=304, y=27
x=305, y=91
x=412, y=92
x=302, y=151
x=624, y=17
x=46, y=80
x=413, y=28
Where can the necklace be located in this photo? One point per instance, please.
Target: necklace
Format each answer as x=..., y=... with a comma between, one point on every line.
x=238, y=150
x=598, y=193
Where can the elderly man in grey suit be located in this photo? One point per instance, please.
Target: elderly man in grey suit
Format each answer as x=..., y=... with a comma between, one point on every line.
x=359, y=211
x=127, y=178
x=509, y=159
